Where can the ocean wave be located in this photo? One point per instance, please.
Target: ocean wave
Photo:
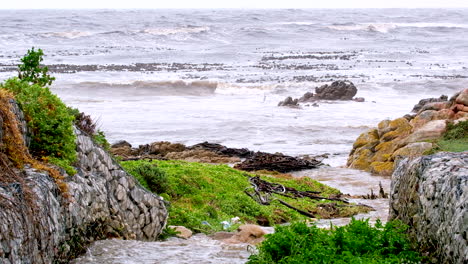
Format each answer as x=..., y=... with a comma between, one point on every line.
x=67, y=34
x=298, y=23
x=386, y=27
x=171, y=87
x=174, y=31
x=432, y=25
x=382, y=28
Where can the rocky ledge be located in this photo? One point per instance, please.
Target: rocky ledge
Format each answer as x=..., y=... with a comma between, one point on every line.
x=379, y=148
x=430, y=194
x=102, y=201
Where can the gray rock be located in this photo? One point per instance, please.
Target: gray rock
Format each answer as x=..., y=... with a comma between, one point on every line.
x=121, y=143
x=430, y=194
x=101, y=195
x=338, y=90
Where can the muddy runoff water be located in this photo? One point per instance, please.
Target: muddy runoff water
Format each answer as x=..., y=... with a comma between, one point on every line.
x=202, y=249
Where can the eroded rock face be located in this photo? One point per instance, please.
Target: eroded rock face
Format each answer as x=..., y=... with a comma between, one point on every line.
x=430, y=194
x=104, y=201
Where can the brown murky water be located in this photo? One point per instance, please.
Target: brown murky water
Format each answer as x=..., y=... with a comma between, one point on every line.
x=201, y=249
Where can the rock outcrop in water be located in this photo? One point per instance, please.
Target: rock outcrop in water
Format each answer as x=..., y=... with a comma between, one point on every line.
x=338, y=90
x=102, y=201
x=377, y=149
x=430, y=194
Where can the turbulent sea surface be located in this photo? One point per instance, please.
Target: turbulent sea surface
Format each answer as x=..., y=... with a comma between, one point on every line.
x=217, y=75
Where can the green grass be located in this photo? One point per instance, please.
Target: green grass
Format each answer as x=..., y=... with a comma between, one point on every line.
x=215, y=193
x=357, y=242
x=455, y=139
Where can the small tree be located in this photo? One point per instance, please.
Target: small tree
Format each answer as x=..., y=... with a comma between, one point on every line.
x=31, y=71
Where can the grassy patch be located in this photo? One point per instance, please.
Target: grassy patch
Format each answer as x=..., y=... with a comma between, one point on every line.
x=204, y=195
x=357, y=242
x=455, y=139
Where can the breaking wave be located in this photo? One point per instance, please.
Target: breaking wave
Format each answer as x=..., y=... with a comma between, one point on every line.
x=177, y=87
x=67, y=34
x=173, y=31
x=386, y=27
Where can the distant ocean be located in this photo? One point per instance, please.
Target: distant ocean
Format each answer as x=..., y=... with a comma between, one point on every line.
x=217, y=75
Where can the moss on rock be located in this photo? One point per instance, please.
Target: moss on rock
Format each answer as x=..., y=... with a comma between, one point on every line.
x=382, y=168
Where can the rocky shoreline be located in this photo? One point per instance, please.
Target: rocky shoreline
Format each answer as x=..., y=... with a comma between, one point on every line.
x=378, y=149
x=206, y=152
x=104, y=201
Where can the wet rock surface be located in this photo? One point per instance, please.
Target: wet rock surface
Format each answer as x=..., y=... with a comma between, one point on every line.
x=102, y=201
x=337, y=90
x=430, y=194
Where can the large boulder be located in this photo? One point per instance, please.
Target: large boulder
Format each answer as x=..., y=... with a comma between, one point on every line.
x=338, y=90
x=289, y=101
x=430, y=195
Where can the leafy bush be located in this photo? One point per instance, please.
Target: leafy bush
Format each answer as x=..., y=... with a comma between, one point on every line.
x=458, y=131
x=357, y=242
x=100, y=138
x=50, y=123
x=30, y=70
x=151, y=177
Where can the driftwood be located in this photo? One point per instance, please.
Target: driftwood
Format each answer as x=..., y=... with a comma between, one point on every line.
x=263, y=190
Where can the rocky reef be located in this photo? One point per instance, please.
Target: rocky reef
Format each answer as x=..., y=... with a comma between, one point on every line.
x=377, y=149
x=338, y=90
x=206, y=152
x=430, y=194
x=41, y=224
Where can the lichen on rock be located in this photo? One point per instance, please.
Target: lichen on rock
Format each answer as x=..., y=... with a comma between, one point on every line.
x=377, y=149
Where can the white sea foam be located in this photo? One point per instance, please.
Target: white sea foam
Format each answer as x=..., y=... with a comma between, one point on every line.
x=67, y=34
x=386, y=27
x=373, y=27
x=174, y=31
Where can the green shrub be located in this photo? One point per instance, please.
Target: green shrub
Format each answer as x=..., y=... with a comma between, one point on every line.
x=100, y=138
x=49, y=121
x=357, y=242
x=458, y=131
x=151, y=177
x=31, y=71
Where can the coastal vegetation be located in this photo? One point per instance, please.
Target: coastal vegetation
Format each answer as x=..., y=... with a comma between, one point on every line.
x=357, y=242
x=204, y=195
x=455, y=139
x=48, y=118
